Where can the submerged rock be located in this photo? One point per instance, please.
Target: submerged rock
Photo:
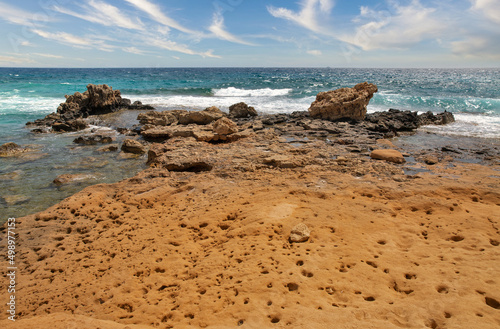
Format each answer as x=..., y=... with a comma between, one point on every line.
x=12, y=150
x=65, y=179
x=93, y=140
x=344, y=103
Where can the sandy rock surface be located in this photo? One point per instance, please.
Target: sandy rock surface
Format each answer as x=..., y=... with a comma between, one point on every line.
x=210, y=248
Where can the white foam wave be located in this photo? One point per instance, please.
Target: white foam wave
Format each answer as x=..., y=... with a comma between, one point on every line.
x=263, y=105
x=16, y=104
x=472, y=125
x=236, y=92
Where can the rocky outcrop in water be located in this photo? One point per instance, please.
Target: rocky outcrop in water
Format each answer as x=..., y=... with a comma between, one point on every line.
x=344, y=103
x=393, y=121
x=96, y=100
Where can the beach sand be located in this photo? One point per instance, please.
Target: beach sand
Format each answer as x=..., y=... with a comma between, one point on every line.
x=211, y=249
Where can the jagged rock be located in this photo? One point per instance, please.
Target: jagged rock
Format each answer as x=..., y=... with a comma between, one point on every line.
x=97, y=99
x=70, y=125
x=430, y=118
x=396, y=120
x=300, y=233
x=392, y=120
x=133, y=146
x=204, y=117
x=388, y=155
x=242, y=110
x=225, y=126
x=93, y=140
x=344, y=103
x=162, y=118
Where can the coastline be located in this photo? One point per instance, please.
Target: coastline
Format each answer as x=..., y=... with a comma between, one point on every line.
x=210, y=248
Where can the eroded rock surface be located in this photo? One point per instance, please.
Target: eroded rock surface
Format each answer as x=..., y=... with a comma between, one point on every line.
x=344, y=103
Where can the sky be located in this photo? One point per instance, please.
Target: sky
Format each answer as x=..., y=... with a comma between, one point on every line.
x=250, y=33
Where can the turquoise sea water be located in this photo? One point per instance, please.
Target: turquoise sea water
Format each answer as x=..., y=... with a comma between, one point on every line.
x=26, y=94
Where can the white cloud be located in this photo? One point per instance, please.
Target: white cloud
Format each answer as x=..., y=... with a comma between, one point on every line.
x=480, y=47
x=219, y=30
x=133, y=50
x=490, y=9
x=404, y=27
x=174, y=46
x=72, y=40
x=21, y=17
x=308, y=16
x=48, y=55
x=105, y=14
x=156, y=14
x=9, y=60
x=315, y=52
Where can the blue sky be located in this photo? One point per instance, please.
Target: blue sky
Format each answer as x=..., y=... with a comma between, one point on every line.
x=269, y=33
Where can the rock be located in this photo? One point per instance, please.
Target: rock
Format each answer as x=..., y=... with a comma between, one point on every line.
x=430, y=118
x=155, y=118
x=242, y=110
x=11, y=149
x=65, y=179
x=12, y=175
x=204, y=117
x=388, y=155
x=344, y=103
x=12, y=200
x=97, y=99
x=431, y=159
x=133, y=146
x=392, y=120
x=70, y=125
x=300, y=233
x=93, y=140
x=225, y=126
x=109, y=148
x=282, y=161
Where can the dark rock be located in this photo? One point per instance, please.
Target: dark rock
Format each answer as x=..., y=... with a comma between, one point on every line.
x=392, y=120
x=344, y=103
x=93, y=140
x=242, y=110
x=430, y=118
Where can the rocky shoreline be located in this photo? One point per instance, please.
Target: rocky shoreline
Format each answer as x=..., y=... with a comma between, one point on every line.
x=279, y=221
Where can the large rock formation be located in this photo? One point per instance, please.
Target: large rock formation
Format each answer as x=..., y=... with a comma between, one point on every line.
x=344, y=103
x=98, y=99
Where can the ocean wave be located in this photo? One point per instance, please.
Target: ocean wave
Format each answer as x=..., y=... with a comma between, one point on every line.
x=236, y=92
x=263, y=105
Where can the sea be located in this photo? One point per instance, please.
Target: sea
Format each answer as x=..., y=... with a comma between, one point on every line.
x=27, y=94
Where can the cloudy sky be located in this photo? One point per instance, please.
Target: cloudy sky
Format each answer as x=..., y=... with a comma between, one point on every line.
x=264, y=33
